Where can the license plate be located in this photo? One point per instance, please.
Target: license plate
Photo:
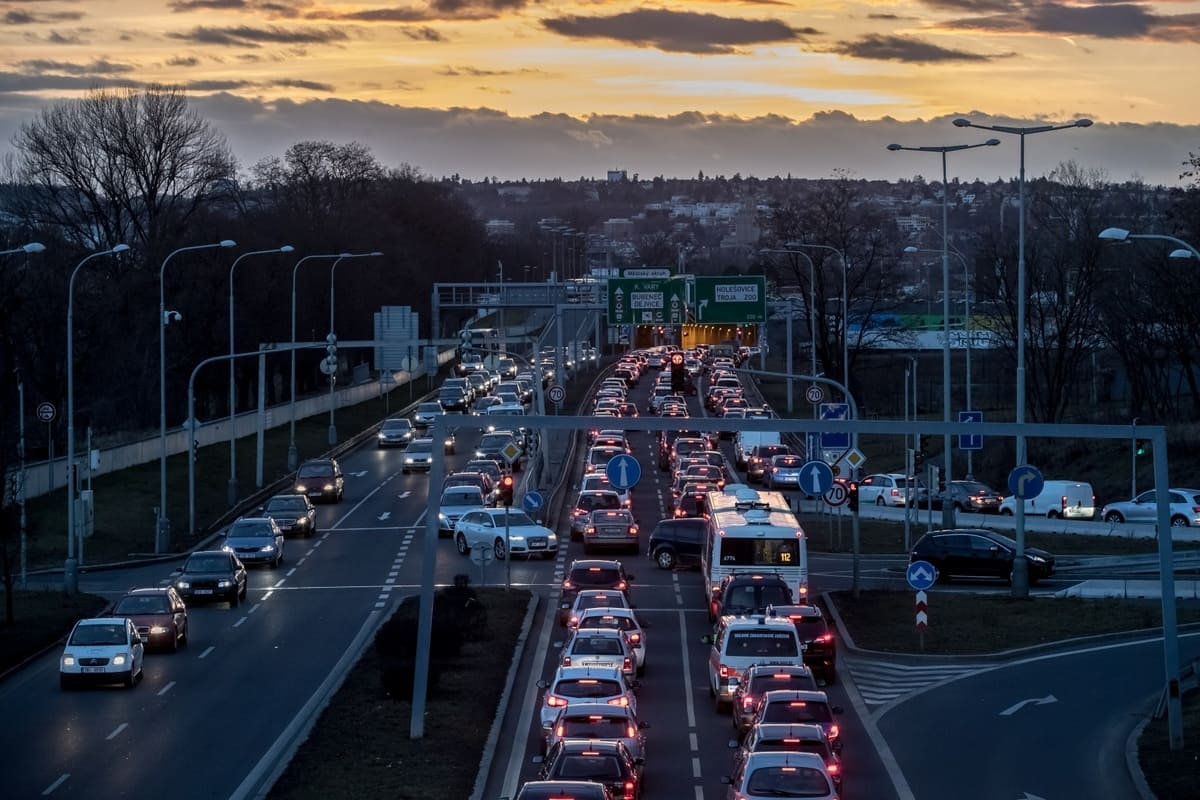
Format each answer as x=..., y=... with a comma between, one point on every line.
x=92, y=669
x=204, y=591
x=537, y=545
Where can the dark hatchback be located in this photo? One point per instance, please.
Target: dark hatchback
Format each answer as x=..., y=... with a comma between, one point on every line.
x=677, y=542
x=293, y=513
x=978, y=553
x=816, y=639
x=599, y=761
x=321, y=479
x=760, y=679
x=591, y=573
x=749, y=593
x=564, y=790
x=211, y=576
x=966, y=496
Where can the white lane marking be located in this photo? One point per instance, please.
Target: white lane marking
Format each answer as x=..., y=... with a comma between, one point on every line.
x=404, y=494
x=290, y=572
x=207, y=651
x=380, y=604
x=687, y=672
x=695, y=768
x=164, y=582
x=528, y=705
x=393, y=573
x=693, y=742
x=166, y=688
x=279, y=583
x=390, y=581
x=268, y=594
x=61, y=780
x=253, y=608
x=356, y=506
x=323, y=538
x=699, y=792
x=385, y=516
x=116, y=732
x=238, y=624
x=302, y=560
x=318, y=544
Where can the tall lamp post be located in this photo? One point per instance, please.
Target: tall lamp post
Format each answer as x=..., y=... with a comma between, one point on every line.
x=845, y=308
x=293, y=455
x=947, y=508
x=332, y=336
x=232, y=495
x=1166, y=565
x=1020, y=578
x=71, y=566
x=812, y=322
x=966, y=335
x=163, y=528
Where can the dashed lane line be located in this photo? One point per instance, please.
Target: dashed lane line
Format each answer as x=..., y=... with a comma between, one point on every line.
x=166, y=688
x=116, y=731
x=61, y=780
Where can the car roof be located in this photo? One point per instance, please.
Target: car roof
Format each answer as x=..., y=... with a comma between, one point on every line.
x=790, y=730
x=577, y=671
x=808, y=612
x=761, y=758
x=144, y=590
x=101, y=621
x=582, y=709
x=793, y=695
x=584, y=563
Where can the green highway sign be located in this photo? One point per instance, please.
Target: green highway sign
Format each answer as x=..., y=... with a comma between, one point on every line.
x=646, y=301
x=731, y=299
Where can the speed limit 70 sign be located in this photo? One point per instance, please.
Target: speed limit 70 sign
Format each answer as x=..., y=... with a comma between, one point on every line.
x=837, y=494
x=46, y=412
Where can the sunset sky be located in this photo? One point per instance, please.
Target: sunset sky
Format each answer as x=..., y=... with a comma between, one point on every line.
x=517, y=88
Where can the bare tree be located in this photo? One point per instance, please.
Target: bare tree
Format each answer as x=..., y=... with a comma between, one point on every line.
x=319, y=183
x=120, y=166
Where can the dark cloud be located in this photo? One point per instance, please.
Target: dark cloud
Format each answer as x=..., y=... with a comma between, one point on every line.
x=677, y=31
x=246, y=36
x=183, y=61
x=204, y=5
x=876, y=47
x=97, y=67
x=423, y=33
x=295, y=83
x=57, y=37
x=272, y=8
x=1100, y=19
x=40, y=82
x=18, y=16
x=436, y=10
x=217, y=85
x=476, y=72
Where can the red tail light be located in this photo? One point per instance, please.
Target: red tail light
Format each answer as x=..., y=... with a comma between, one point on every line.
x=566, y=661
x=560, y=730
x=825, y=638
x=834, y=731
x=621, y=586
x=567, y=585
x=635, y=638
x=1063, y=501
x=627, y=665
x=833, y=768
x=619, y=701
x=554, y=701
x=629, y=790
x=726, y=672
x=633, y=530
x=748, y=702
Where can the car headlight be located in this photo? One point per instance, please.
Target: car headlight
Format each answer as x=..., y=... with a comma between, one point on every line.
x=224, y=584
x=449, y=443
x=1036, y=559
x=68, y=660
x=302, y=521
x=183, y=585
x=301, y=488
x=408, y=459
x=227, y=548
x=118, y=660
x=381, y=436
x=268, y=548
x=443, y=518
x=159, y=629
x=329, y=487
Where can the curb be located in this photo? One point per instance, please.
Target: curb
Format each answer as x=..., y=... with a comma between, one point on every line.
x=52, y=646
x=489, y=745
x=1131, y=759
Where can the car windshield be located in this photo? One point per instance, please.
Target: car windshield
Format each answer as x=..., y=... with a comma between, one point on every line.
x=494, y=441
x=396, y=425
x=240, y=531
x=314, y=471
x=515, y=519
x=99, y=634
x=597, y=646
x=801, y=681
x=594, y=726
x=793, y=711
x=755, y=597
x=810, y=628
x=420, y=447
x=216, y=562
x=793, y=746
x=613, y=600
x=295, y=504
x=429, y=408
x=587, y=766
x=143, y=604
x=587, y=687
x=765, y=644
x=785, y=781
x=610, y=621
x=462, y=499
x=591, y=502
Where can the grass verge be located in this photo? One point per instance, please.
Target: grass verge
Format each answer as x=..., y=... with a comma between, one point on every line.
x=41, y=618
x=1172, y=775
x=360, y=746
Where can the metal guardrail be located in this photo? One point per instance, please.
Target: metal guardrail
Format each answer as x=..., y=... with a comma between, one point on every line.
x=1189, y=680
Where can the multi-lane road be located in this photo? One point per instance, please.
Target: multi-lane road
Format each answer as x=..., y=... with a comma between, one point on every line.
x=206, y=717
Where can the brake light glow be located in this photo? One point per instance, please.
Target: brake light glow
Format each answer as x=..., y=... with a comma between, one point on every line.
x=748, y=702
x=621, y=586
x=630, y=732
x=619, y=701
x=726, y=672
x=825, y=638
x=566, y=662
x=834, y=731
x=629, y=790
x=791, y=741
x=833, y=768
x=554, y=701
x=633, y=530
x=635, y=638
x=567, y=584
x=627, y=664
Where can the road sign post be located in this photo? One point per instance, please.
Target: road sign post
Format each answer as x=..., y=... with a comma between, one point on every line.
x=623, y=472
x=731, y=299
x=921, y=575
x=970, y=441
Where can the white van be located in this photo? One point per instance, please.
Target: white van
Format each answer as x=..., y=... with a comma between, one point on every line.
x=506, y=409
x=1065, y=499
x=745, y=441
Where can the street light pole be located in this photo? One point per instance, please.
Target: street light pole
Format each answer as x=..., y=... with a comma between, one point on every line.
x=332, y=336
x=71, y=566
x=163, y=528
x=293, y=455
x=1020, y=581
x=947, y=456
x=812, y=322
x=232, y=494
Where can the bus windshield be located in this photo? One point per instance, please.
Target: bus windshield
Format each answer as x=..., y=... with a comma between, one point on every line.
x=780, y=552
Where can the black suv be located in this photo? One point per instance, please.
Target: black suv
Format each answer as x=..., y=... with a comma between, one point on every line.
x=677, y=542
x=666, y=443
x=591, y=573
x=978, y=553
x=820, y=648
x=749, y=593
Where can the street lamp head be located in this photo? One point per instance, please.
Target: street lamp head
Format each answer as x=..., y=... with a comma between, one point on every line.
x=376, y=253
x=911, y=249
x=287, y=248
x=1114, y=234
x=1083, y=123
x=992, y=142
x=1181, y=253
x=228, y=243
x=119, y=248
x=894, y=147
x=962, y=123
x=33, y=247
x=345, y=255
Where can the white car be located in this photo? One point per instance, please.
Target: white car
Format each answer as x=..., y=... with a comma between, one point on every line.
x=622, y=619
x=595, y=598
x=456, y=502
x=486, y=526
x=600, y=647
x=417, y=457
x=772, y=774
x=571, y=685
x=888, y=489
x=598, y=482
x=1184, y=505
x=103, y=650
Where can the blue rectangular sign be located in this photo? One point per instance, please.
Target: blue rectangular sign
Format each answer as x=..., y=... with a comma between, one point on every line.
x=835, y=440
x=970, y=441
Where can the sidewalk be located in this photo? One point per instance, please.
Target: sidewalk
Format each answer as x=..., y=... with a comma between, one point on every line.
x=1131, y=589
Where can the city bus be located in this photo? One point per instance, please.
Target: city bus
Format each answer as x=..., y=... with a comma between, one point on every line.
x=753, y=531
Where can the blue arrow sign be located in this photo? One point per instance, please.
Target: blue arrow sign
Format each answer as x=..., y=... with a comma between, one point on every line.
x=623, y=471
x=1026, y=482
x=835, y=440
x=921, y=575
x=970, y=441
x=816, y=477
x=532, y=501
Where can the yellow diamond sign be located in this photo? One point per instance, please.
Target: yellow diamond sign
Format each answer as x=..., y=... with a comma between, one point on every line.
x=511, y=452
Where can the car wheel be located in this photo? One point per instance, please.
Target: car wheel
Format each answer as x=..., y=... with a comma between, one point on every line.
x=1179, y=522
x=958, y=507
x=1006, y=512
x=65, y=682
x=879, y=501
x=1051, y=514
x=665, y=558
x=130, y=679
x=1114, y=517
x=831, y=677
x=460, y=544
x=174, y=640
x=498, y=550
x=233, y=600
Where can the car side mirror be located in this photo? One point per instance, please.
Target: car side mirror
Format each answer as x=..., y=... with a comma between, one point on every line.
x=541, y=684
x=732, y=744
x=725, y=779
x=706, y=639
x=537, y=760
x=642, y=726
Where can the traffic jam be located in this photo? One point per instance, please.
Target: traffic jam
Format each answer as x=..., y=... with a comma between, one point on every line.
x=723, y=514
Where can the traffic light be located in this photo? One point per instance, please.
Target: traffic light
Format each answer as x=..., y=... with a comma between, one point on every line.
x=852, y=496
x=941, y=477
x=836, y=469
x=506, y=490
x=922, y=452
x=1140, y=447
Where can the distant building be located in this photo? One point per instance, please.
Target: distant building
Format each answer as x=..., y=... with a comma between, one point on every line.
x=618, y=228
x=497, y=228
x=616, y=176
